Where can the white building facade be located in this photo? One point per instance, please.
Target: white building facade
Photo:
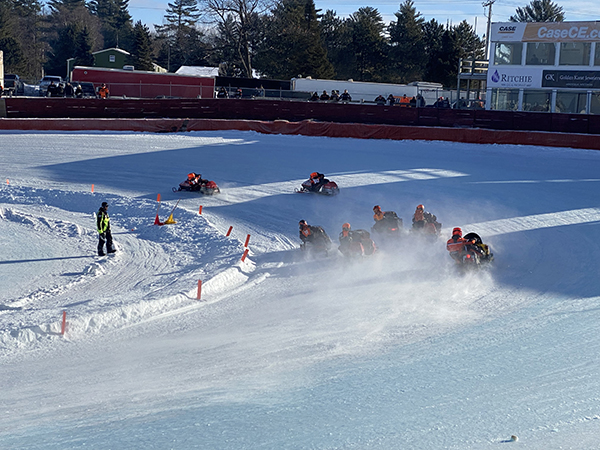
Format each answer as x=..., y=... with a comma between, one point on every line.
x=544, y=66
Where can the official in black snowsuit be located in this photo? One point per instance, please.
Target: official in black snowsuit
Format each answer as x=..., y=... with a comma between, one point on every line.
x=104, y=234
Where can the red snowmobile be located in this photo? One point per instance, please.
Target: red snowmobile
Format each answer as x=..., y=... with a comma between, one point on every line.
x=195, y=183
x=318, y=184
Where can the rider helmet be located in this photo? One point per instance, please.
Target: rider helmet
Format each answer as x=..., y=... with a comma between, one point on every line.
x=420, y=207
x=191, y=176
x=457, y=231
x=314, y=175
x=302, y=223
x=346, y=226
x=376, y=208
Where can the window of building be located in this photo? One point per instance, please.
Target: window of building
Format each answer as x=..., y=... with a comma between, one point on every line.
x=505, y=99
x=575, y=53
x=595, y=103
x=597, y=55
x=540, y=54
x=571, y=102
x=534, y=100
x=112, y=58
x=508, y=53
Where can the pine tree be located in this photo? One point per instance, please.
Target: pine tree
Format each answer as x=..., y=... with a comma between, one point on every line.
x=83, y=49
x=368, y=44
x=141, y=53
x=539, y=11
x=407, y=53
x=116, y=23
x=293, y=45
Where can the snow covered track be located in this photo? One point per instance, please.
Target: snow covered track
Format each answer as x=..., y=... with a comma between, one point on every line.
x=395, y=351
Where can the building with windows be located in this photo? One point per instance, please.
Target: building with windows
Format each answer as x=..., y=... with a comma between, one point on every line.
x=544, y=66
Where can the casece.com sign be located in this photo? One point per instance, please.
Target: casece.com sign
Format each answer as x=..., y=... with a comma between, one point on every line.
x=546, y=32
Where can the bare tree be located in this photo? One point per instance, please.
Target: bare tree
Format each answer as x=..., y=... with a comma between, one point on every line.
x=238, y=22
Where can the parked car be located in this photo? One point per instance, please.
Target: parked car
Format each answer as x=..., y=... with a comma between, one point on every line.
x=87, y=89
x=45, y=82
x=13, y=84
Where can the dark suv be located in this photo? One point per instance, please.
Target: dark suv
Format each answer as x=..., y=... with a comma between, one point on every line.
x=13, y=84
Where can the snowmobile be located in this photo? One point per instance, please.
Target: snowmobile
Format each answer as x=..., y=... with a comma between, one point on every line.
x=427, y=228
x=205, y=187
x=477, y=254
x=356, y=244
x=390, y=226
x=328, y=188
x=318, y=243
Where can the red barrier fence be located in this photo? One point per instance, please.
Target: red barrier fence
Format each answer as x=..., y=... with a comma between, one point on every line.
x=297, y=111
x=307, y=128
x=305, y=118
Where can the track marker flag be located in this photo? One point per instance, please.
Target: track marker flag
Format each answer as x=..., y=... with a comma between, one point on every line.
x=245, y=254
x=63, y=327
x=229, y=231
x=247, y=240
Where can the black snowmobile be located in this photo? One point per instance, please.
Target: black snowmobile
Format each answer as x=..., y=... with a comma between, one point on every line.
x=316, y=243
x=390, y=226
x=477, y=254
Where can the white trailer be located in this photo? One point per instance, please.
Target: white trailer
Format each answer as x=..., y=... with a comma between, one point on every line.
x=361, y=91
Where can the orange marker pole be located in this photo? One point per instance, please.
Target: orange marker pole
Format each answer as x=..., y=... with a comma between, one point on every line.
x=92, y=188
x=199, y=290
x=200, y=210
x=245, y=254
x=64, y=323
x=7, y=181
x=229, y=231
x=247, y=240
x=158, y=198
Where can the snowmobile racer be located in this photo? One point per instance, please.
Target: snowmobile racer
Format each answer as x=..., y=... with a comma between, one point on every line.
x=314, y=238
x=195, y=183
x=355, y=243
x=386, y=222
x=425, y=222
x=318, y=184
x=468, y=250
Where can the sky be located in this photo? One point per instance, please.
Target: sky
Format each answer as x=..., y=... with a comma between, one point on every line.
x=287, y=350
x=444, y=11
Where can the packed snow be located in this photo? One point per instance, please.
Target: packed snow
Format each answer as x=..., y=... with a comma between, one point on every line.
x=399, y=350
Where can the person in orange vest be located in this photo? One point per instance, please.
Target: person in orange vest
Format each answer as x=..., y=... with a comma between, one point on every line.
x=404, y=100
x=457, y=245
x=103, y=91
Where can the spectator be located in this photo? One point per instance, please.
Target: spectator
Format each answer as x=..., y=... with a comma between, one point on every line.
x=391, y=99
x=420, y=101
x=78, y=91
x=1, y=90
x=60, y=90
x=380, y=100
x=314, y=97
x=69, y=91
x=52, y=90
x=335, y=97
x=345, y=97
x=324, y=96
x=222, y=93
x=103, y=91
x=413, y=102
x=404, y=100
x=239, y=93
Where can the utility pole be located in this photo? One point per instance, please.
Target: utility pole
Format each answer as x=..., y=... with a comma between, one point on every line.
x=488, y=4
